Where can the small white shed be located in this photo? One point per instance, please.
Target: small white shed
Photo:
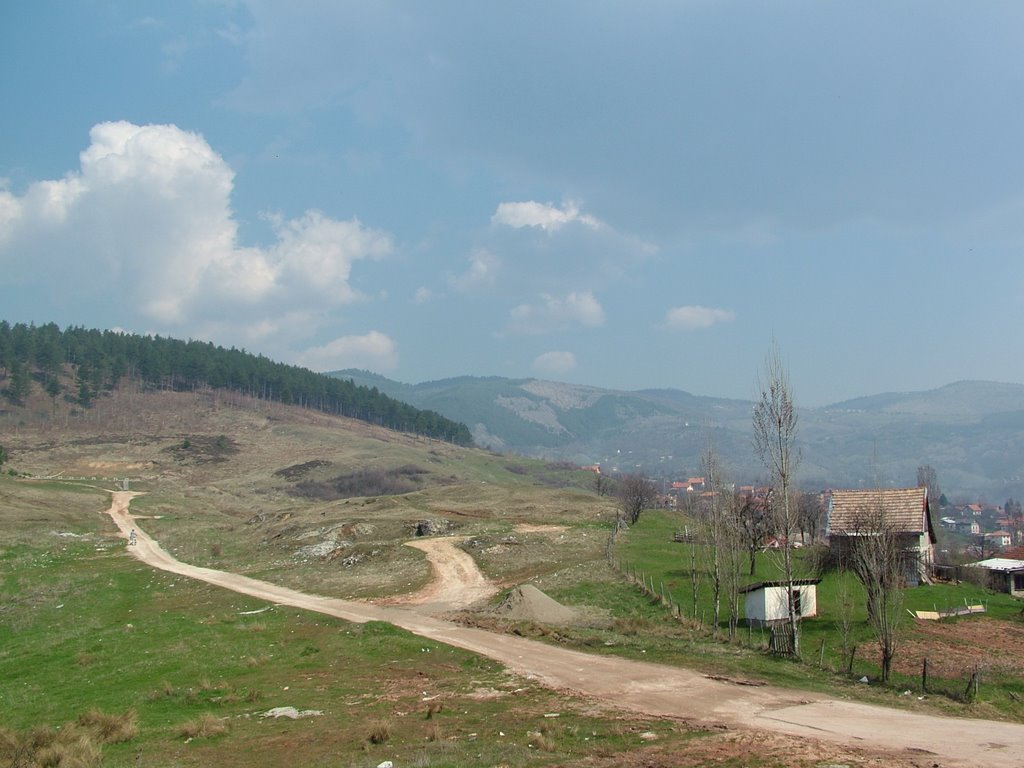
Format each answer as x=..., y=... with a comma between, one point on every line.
x=766, y=603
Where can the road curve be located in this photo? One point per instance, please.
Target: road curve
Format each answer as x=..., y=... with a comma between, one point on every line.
x=651, y=689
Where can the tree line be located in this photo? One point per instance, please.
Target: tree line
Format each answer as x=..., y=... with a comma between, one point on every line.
x=96, y=361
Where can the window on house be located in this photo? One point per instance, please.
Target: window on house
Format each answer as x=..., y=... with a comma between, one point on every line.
x=797, y=608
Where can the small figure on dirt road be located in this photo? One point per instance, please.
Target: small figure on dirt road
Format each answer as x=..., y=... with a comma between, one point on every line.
x=132, y=538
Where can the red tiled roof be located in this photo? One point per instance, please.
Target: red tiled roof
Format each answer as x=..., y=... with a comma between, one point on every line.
x=904, y=508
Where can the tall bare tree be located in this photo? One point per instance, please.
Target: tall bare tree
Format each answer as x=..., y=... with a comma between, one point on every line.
x=723, y=540
x=775, y=431
x=878, y=557
x=715, y=529
x=928, y=478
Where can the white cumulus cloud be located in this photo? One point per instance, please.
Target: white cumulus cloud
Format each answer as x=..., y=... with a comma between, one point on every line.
x=694, y=317
x=556, y=313
x=544, y=215
x=147, y=218
x=554, y=363
x=373, y=351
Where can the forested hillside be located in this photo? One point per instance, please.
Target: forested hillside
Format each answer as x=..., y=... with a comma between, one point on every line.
x=80, y=365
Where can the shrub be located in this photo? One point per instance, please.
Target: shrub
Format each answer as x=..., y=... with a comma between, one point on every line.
x=364, y=482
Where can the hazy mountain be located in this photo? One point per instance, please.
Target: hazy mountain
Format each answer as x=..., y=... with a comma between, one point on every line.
x=971, y=432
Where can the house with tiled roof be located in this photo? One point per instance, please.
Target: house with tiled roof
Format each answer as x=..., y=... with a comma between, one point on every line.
x=903, y=511
x=998, y=539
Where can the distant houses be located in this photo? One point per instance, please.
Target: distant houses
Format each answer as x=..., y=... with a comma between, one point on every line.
x=987, y=528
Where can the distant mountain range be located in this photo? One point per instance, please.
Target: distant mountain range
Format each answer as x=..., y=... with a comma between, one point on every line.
x=970, y=432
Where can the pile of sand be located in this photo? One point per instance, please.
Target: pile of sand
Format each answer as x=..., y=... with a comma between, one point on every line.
x=527, y=603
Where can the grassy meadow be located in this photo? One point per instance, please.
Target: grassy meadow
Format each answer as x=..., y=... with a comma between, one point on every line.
x=86, y=628
x=90, y=639
x=649, y=548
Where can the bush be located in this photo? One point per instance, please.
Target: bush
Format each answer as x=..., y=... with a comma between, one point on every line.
x=364, y=482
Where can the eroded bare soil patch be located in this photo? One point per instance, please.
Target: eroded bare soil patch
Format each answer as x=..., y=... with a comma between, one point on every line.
x=955, y=648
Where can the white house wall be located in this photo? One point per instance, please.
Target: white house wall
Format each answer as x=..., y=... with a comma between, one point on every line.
x=770, y=604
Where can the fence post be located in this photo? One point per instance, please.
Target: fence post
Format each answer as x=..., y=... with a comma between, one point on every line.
x=924, y=675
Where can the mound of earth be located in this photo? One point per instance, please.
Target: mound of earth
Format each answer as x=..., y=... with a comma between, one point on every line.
x=527, y=603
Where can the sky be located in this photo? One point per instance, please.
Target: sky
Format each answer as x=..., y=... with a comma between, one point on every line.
x=623, y=195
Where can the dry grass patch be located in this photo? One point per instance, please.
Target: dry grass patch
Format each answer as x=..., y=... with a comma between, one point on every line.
x=204, y=726
x=542, y=741
x=79, y=743
x=380, y=732
x=111, y=729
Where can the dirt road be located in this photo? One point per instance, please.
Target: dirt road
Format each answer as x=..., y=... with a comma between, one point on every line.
x=650, y=688
x=457, y=582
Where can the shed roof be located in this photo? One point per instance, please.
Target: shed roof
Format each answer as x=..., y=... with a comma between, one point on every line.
x=904, y=508
x=1001, y=564
x=766, y=584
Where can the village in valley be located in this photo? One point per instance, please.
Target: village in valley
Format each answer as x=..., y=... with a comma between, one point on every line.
x=948, y=539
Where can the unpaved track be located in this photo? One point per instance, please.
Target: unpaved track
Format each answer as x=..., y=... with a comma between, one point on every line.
x=651, y=688
x=457, y=583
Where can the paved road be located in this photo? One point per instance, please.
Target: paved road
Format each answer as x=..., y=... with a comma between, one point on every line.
x=652, y=689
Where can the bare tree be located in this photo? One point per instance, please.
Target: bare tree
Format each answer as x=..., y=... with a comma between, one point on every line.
x=754, y=524
x=811, y=514
x=879, y=559
x=716, y=530
x=636, y=493
x=724, y=543
x=733, y=557
x=928, y=478
x=696, y=535
x=845, y=606
x=775, y=430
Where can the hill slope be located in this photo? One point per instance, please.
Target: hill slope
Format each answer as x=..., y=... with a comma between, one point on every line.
x=971, y=432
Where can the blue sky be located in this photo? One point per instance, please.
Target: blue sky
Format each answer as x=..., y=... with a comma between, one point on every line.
x=627, y=195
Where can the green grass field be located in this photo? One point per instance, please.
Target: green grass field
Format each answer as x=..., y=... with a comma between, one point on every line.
x=83, y=626
x=86, y=627
x=649, y=548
